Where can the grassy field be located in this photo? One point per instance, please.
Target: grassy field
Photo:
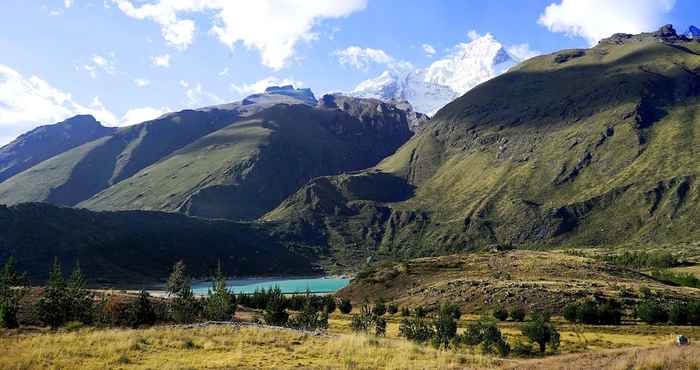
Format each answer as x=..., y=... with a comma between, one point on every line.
x=629, y=346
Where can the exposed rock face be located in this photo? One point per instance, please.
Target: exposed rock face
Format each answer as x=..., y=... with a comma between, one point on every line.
x=47, y=141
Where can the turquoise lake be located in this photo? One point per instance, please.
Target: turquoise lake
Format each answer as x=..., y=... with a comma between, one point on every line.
x=286, y=285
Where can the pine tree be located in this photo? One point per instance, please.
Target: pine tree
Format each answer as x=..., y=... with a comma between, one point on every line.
x=141, y=311
x=12, y=290
x=80, y=302
x=52, y=306
x=221, y=304
x=184, y=307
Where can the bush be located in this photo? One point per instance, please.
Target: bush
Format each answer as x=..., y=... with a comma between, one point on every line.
x=678, y=314
x=276, y=310
x=310, y=318
x=587, y=312
x=454, y=311
x=523, y=349
x=380, y=327
x=487, y=335
x=541, y=331
x=379, y=308
x=392, y=309
x=416, y=329
x=694, y=312
x=518, y=314
x=329, y=303
x=609, y=314
x=651, y=312
x=571, y=312
x=221, y=304
x=420, y=312
x=501, y=314
x=445, y=326
x=405, y=312
x=141, y=311
x=345, y=306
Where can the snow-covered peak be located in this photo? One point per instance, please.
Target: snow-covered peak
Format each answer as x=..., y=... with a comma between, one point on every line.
x=431, y=88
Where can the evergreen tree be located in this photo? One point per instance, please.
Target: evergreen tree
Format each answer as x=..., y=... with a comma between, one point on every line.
x=184, y=307
x=221, y=304
x=12, y=290
x=276, y=309
x=445, y=326
x=52, y=306
x=79, y=301
x=141, y=311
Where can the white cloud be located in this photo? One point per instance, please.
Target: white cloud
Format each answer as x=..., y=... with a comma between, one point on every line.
x=522, y=51
x=273, y=27
x=142, y=82
x=261, y=85
x=106, y=64
x=68, y=3
x=138, y=115
x=597, y=19
x=161, y=60
x=224, y=72
x=473, y=35
x=26, y=102
x=361, y=58
x=429, y=50
x=197, y=96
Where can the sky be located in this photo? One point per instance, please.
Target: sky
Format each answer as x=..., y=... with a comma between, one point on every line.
x=126, y=61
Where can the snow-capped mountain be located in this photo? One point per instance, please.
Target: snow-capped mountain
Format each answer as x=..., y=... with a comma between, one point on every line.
x=429, y=89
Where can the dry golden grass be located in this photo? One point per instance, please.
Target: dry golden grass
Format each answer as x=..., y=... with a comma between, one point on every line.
x=668, y=357
x=222, y=348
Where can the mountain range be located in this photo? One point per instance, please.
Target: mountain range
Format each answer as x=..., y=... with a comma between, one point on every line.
x=431, y=88
x=579, y=147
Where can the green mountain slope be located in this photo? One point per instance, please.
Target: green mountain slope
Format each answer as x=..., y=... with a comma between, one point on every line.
x=580, y=147
x=81, y=172
x=47, y=141
x=247, y=168
x=138, y=246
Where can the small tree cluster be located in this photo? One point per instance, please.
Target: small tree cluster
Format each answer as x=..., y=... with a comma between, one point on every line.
x=367, y=319
x=12, y=290
x=487, y=336
x=310, y=318
x=590, y=312
x=63, y=301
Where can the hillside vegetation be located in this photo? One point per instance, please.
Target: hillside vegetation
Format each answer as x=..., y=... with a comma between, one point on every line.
x=587, y=147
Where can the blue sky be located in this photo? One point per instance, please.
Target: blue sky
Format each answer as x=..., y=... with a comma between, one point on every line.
x=61, y=57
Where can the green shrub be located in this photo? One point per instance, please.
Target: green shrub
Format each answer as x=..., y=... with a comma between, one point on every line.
x=379, y=308
x=541, y=331
x=609, y=313
x=276, y=311
x=392, y=309
x=379, y=327
x=501, y=314
x=416, y=329
x=445, y=326
x=652, y=312
x=141, y=311
x=678, y=314
x=310, y=318
x=487, y=336
x=405, y=312
x=329, y=303
x=420, y=312
x=73, y=325
x=571, y=312
x=345, y=306
x=523, y=349
x=518, y=314
x=694, y=312
x=587, y=312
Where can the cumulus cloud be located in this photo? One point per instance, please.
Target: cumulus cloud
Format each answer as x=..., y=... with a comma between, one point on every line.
x=197, y=96
x=100, y=63
x=273, y=27
x=362, y=58
x=138, y=115
x=142, y=82
x=28, y=101
x=597, y=19
x=522, y=51
x=161, y=60
x=429, y=50
x=261, y=85
x=67, y=3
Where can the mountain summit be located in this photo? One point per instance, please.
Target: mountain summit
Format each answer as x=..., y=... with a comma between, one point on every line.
x=431, y=88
